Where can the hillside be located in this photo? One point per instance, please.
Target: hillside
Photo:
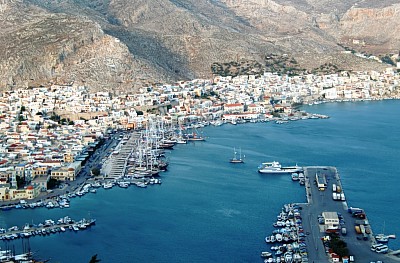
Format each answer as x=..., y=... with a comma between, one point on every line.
x=124, y=44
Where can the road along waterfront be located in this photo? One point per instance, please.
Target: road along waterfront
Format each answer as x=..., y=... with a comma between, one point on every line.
x=208, y=210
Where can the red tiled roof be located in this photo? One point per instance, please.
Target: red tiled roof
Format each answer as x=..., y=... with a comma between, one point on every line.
x=233, y=105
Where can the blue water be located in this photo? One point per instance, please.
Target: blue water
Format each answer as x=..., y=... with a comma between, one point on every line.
x=208, y=210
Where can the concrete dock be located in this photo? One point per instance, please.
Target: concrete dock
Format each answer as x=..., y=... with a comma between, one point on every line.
x=46, y=228
x=322, y=201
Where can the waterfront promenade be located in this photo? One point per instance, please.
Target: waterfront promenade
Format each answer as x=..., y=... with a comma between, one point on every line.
x=322, y=201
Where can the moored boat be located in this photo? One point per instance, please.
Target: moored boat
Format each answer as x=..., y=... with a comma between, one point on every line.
x=276, y=168
x=295, y=177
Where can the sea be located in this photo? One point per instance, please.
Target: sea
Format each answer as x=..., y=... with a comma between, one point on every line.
x=209, y=210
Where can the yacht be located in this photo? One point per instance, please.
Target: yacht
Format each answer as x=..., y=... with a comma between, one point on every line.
x=181, y=141
x=277, y=168
x=123, y=184
x=107, y=185
x=236, y=158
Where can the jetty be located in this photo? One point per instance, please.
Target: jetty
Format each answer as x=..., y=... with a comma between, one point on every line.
x=327, y=214
x=312, y=231
x=45, y=228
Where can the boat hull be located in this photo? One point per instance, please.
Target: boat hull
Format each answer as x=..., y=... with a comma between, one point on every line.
x=281, y=171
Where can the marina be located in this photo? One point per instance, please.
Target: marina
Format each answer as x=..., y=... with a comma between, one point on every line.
x=45, y=228
x=90, y=187
x=232, y=191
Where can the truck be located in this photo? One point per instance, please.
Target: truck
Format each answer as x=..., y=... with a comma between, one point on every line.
x=353, y=210
x=321, y=181
x=361, y=222
x=334, y=188
x=334, y=196
x=362, y=229
x=360, y=215
x=342, y=197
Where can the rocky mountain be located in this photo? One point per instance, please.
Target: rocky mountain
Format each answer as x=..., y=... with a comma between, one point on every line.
x=124, y=44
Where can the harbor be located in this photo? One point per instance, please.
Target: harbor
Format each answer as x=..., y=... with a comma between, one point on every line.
x=311, y=227
x=212, y=206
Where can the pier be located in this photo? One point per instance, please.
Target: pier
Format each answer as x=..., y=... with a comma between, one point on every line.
x=46, y=228
x=324, y=200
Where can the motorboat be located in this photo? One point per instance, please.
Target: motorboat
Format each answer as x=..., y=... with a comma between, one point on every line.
x=381, y=238
x=266, y=254
x=295, y=177
x=123, y=184
x=107, y=185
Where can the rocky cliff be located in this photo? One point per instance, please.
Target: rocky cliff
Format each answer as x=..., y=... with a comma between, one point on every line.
x=124, y=44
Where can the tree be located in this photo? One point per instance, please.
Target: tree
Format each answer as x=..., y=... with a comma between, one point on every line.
x=95, y=171
x=55, y=118
x=388, y=60
x=53, y=183
x=339, y=246
x=20, y=181
x=94, y=259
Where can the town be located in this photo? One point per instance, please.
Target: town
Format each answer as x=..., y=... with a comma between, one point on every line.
x=49, y=132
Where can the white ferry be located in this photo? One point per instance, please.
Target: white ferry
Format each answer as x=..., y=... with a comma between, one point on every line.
x=276, y=168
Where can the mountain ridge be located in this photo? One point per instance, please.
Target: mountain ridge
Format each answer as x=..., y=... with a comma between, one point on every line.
x=121, y=45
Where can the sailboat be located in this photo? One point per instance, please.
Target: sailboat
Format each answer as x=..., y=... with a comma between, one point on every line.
x=180, y=139
x=235, y=158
